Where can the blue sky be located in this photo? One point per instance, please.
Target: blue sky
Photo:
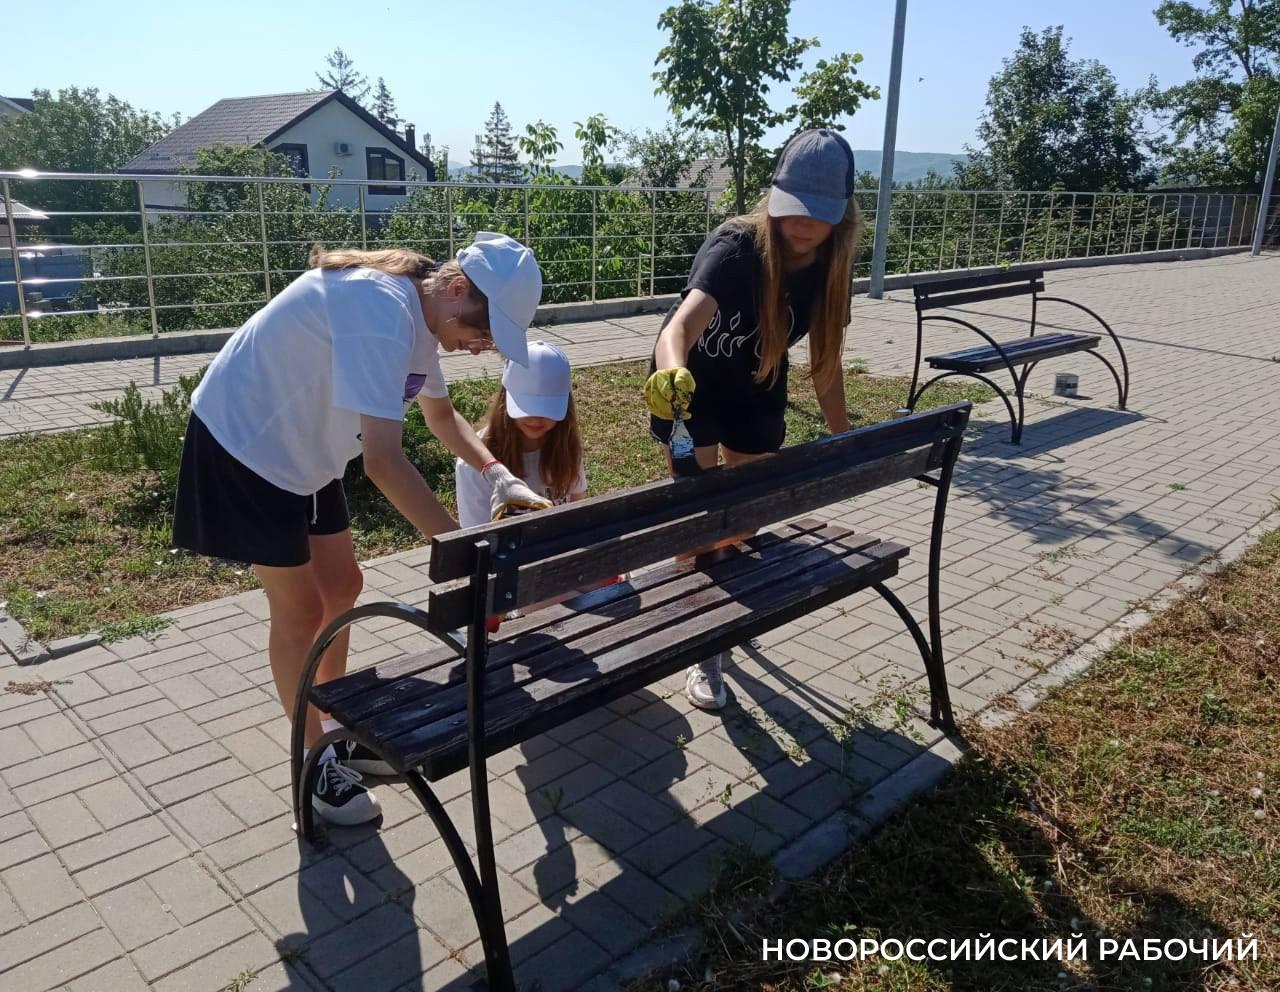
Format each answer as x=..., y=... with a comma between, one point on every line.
x=558, y=60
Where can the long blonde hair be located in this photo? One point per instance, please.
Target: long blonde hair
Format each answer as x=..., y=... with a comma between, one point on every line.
x=830, y=314
x=560, y=457
x=433, y=276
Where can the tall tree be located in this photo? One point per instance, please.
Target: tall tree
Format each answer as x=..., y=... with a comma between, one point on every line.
x=540, y=144
x=384, y=105
x=720, y=61
x=495, y=157
x=78, y=131
x=1219, y=123
x=342, y=76
x=1053, y=121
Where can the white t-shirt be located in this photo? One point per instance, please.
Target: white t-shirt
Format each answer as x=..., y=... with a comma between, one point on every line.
x=284, y=396
x=474, y=492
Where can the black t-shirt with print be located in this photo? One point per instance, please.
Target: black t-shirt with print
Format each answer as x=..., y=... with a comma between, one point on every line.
x=725, y=358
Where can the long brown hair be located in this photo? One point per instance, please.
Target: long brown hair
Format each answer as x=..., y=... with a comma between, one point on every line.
x=830, y=313
x=433, y=276
x=561, y=454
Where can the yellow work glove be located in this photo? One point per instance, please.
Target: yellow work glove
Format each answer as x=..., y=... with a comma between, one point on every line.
x=666, y=386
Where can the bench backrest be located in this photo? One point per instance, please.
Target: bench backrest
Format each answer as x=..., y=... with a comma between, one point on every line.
x=958, y=292
x=545, y=554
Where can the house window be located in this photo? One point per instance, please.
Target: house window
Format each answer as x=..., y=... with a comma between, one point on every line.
x=296, y=155
x=382, y=165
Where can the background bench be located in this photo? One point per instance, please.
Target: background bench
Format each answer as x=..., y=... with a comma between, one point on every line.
x=1023, y=354
x=434, y=713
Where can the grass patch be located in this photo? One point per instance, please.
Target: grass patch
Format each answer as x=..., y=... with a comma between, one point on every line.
x=86, y=516
x=1139, y=801
x=148, y=627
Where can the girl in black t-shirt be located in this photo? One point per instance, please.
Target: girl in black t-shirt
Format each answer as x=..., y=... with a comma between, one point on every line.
x=759, y=284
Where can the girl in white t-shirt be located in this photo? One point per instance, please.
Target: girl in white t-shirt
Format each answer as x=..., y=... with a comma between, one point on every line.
x=324, y=372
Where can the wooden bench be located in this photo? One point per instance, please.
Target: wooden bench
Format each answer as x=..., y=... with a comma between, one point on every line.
x=1025, y=353
x=451, y=708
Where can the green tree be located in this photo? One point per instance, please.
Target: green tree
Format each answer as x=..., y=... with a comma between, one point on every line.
x=384, y=105
x=1219, y=123
x=829, y=90
x=596, y=134
x=1053, y=121
x=719, y=63
x=495, y=157
x=78, y=131
x=342, y=76
x=541, y=144
x=662, y=158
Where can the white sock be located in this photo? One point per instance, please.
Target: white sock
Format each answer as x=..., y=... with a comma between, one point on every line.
x=329, y=726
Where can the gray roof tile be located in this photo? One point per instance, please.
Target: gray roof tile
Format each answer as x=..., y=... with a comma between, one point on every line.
x=246, y=120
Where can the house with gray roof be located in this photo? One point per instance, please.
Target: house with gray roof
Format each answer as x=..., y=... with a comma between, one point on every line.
x=319, y=131
x=12, y=106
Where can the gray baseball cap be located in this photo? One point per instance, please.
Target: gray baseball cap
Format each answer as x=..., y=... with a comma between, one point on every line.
x=814, y=177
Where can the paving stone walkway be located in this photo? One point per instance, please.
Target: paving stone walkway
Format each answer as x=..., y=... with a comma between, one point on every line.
x=145, y=837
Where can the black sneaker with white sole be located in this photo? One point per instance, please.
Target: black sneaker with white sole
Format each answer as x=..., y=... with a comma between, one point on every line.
x=339, y=797
x=362, y=759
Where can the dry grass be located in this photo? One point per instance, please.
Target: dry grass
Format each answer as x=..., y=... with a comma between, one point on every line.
x=1140, y=801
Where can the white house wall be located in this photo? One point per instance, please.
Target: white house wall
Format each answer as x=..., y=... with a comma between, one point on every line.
x=320, y=132
x=333, y=123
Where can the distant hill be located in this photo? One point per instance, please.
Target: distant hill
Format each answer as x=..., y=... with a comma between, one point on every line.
x=464, y=169
x=907, y=166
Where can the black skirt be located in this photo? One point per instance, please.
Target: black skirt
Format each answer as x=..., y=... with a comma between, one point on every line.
x=226, y=510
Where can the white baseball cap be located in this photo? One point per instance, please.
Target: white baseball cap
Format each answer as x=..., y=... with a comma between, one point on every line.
x=541, y=388
x=507, y=273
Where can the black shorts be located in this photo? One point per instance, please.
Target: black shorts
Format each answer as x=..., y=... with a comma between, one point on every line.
x=741, y=427
x=226, y=510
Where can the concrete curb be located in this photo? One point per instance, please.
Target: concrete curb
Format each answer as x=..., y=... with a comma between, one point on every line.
x=199, y=342
x=1171, y=255
x=21, y=646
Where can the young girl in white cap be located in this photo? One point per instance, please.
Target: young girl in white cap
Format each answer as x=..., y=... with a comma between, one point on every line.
x=324, y=372
x=531, y=425
x=760, y=284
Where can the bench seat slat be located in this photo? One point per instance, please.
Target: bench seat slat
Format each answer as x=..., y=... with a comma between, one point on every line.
x=359, y=697
x=560, y=620
x=984, y=358
x=672, y=642
x=385, y=714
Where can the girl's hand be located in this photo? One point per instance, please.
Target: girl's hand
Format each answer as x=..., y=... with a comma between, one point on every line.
x=509, y=492
x=667, y=386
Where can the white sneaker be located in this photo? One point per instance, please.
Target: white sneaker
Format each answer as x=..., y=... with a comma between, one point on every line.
x=339, y=797
x=704, y=684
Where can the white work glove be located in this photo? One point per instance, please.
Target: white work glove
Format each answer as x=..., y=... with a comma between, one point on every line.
x=509, y=493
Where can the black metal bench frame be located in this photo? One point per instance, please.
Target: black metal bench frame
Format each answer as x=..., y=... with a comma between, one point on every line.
x=487, y=570
x=939, y=293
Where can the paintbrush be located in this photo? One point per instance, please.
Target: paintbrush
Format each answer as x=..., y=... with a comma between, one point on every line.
x=683, y=463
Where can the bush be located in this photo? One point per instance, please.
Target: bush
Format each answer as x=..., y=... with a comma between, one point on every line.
x=147, y=434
